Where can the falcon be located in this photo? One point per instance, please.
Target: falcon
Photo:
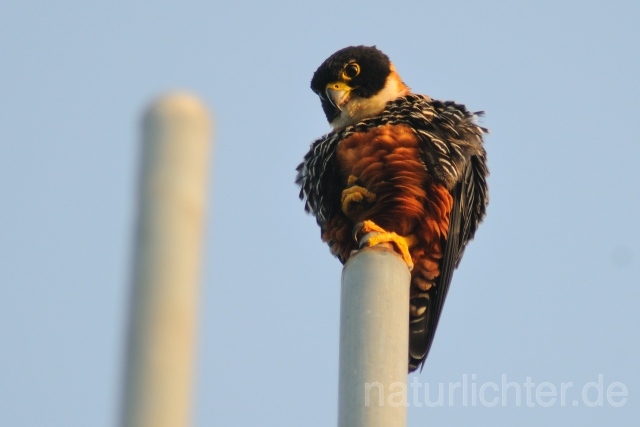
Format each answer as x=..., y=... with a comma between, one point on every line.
x=397, y=168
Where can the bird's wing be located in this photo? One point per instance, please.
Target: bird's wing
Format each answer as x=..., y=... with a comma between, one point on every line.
x=460, y=152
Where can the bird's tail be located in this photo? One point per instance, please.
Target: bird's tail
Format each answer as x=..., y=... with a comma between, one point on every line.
x=418, y=330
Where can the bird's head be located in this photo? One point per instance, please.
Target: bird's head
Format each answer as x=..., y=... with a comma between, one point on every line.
x=355, y=83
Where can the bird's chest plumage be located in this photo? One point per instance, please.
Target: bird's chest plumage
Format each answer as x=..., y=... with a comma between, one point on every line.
x=375, y=154
x=386, y=161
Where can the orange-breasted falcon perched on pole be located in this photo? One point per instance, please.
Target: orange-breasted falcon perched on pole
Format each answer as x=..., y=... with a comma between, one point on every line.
x=398, y=168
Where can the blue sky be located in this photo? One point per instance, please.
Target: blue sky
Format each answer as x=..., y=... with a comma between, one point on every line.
x=547, y=292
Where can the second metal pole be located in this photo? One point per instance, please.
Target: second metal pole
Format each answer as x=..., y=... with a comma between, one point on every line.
x=163, y=318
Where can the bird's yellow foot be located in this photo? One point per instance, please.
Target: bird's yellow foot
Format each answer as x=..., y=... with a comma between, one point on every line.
x=368, y=233
x=353, y=195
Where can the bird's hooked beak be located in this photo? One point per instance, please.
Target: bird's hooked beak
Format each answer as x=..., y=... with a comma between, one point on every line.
x=338, y=94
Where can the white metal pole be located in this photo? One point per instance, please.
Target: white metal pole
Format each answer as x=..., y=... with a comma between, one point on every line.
x=374, y=334
x=160, y=354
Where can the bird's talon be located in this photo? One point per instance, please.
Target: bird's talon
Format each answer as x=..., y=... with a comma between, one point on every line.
x=370, y=234
x=353, y=195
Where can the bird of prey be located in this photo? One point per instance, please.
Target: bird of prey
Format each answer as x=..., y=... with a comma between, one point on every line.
x=397, y=168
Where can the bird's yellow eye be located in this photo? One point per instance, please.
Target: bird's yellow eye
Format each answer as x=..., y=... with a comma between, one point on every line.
x=351, y=71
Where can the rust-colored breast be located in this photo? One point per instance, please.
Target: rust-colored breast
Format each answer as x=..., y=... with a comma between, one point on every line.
x=387, y=161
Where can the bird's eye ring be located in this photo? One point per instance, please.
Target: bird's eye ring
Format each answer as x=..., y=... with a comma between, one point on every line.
x=351, y=71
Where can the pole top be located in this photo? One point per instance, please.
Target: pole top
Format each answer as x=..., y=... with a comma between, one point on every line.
x=178, y=108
